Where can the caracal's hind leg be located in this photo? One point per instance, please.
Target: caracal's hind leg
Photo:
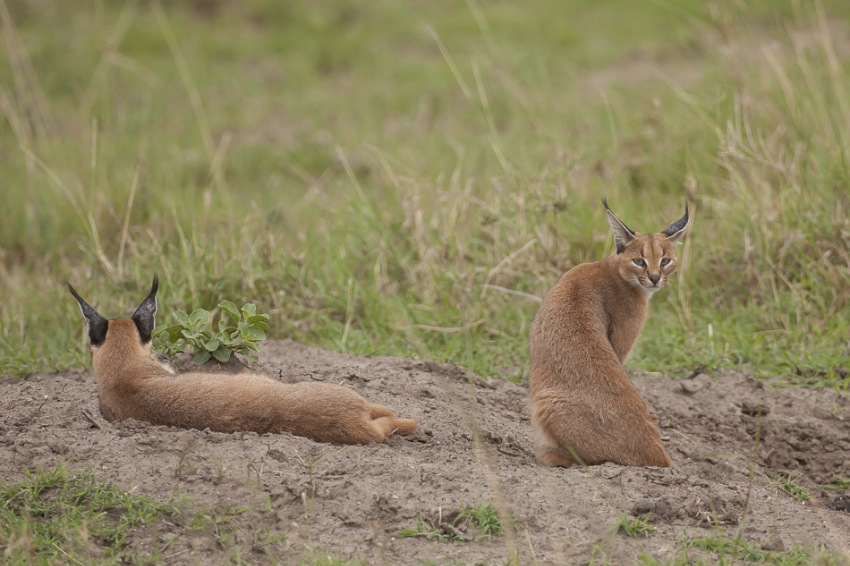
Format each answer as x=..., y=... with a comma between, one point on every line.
x=659, y=457
x=641, y=446
x=385, y=422
x=651, y=453
x=554, y=428
x=549, y=456
x=389, y=426
x=377, y=411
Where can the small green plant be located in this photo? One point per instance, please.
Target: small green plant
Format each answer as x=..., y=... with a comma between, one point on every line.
x=637, y=527
x=839, y=378
x=264, y=538
x=598, y=555
x=239, y=330
x=455, y=526
x=427, y=530
x=788, y=484
x=317, y=558
x=718, y=548
x=840, y=482
x=723, y=546
x=310, y=485
x=484, y=517
x=736, y=548
x=217, y=520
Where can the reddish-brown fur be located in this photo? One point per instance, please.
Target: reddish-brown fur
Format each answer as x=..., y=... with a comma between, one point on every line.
x=132, y=384
x=585, y=409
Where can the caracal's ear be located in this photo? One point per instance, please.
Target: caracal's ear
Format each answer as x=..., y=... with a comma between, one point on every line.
x=676, y=230
x=622, y=233
x=145, y=314
x=96, y=324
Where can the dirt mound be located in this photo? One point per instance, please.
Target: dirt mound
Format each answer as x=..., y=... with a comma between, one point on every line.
x=730, y=437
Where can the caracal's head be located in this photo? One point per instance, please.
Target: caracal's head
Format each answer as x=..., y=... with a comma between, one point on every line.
x=647, y=260
x=118, y=340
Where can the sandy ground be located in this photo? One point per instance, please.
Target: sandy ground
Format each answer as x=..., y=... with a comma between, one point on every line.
x=727, y=435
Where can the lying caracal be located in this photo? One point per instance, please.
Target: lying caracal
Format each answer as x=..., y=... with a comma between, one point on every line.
x=133, y=384
x=585, y=409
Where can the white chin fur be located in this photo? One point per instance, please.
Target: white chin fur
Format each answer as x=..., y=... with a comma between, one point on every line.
x=649, y=290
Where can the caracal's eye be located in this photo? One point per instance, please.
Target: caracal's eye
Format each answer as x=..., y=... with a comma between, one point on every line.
x=638, y=261
x=665, y=261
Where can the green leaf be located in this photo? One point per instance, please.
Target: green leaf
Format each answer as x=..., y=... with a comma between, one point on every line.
x=174, y=331
x=254, y=334
x=199, y=317
x=259, y=320
x=212, y=345
x=249, y=309
x=222, y=354
x=201, y=358
x=231, y=309
x=181, y=316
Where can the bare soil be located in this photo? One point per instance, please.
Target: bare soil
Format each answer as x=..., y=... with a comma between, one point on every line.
x=727, y=434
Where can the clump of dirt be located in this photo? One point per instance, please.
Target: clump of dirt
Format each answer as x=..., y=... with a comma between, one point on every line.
x=729, y=436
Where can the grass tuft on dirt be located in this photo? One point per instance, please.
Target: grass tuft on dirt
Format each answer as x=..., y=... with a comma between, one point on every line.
x=634, y=527
x=56, y=515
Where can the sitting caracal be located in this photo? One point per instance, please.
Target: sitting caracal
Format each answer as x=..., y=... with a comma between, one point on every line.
x=585, y=409
x=133, y=384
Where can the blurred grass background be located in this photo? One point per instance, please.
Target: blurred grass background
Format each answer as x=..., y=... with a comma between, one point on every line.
x=407, y=178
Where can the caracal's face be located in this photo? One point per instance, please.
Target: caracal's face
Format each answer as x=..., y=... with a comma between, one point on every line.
x=648, y=261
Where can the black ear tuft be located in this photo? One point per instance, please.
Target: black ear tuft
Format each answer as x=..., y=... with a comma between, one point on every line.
x=145, y=314
x=622, y=233
x=676, y=230
x=97, y=325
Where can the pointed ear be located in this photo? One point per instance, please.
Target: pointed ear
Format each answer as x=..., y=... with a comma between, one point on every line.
x=96, y=324
x=622, y=233
x=676, y=230
x=145, y=314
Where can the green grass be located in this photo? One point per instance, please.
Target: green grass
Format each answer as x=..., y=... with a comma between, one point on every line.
x=789, y=484
x=427, y=530
x=320, y=559
x=58, y=516
x=634, y=528
x=482, y=520
x=407, y=180
x=720, y=548
x=839, y=483
x=215, y=521
x=732, y=549
x=484, y=517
